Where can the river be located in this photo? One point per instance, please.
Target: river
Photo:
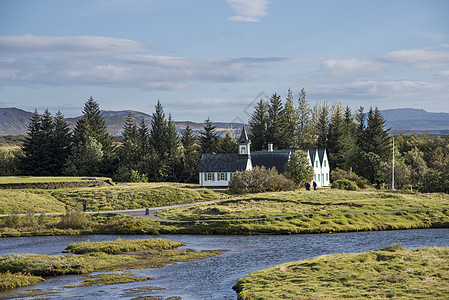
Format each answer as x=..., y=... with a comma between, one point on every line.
x=214, y=277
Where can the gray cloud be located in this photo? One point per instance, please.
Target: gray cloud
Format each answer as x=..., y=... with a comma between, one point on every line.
x=30, y=44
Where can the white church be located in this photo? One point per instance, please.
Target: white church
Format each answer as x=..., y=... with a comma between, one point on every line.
x=216, y=170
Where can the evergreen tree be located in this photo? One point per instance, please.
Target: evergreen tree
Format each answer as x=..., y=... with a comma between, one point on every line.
x=298, y=168
x=191, y=156
x=336, y=146
x=275, y=122
x=158, y=132
x=174, y=158
x=86, y=159
x=128, y=152
x=91, y=131
x=92, y=124
x=47, y=162
x=208, y=138
x=30, y=163
x=258, y=125
x=376, y=137
x=62, y=143
x=227, y=144
x=322, y=126
x=303, y=121
x=290, y=122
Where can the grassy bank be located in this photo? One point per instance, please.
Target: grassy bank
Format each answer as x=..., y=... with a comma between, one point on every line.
x=102, y=256
x=117, y=197
x=388, y=273
x=305, y=202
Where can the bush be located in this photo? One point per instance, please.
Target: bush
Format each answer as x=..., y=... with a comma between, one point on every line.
x=345, y=184
x=258, y=180
x=75, y=220
x=338, y=174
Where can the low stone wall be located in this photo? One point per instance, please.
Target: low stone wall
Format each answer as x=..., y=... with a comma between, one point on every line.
x=56, y=185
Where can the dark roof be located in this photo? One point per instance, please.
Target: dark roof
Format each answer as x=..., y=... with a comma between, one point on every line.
x=271, y=159
x=231, y=162
x=221, y=163
x=243, y=137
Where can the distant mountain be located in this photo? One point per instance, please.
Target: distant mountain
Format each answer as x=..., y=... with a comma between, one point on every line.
x=409, y=120
x=14, y=121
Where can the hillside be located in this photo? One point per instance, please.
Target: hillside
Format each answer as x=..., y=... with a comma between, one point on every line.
x=416, y=120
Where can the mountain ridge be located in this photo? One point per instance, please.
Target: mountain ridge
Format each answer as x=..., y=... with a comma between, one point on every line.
x=14, y=121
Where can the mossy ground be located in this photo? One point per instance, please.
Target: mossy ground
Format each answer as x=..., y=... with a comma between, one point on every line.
x=381, y=274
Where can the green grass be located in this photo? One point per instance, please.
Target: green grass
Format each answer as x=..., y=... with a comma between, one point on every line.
x=10, y=280
x=144, y=254
x=397, y=274
x=119, y=246
x=302, y=202
x=32, y=179
x=117, y=197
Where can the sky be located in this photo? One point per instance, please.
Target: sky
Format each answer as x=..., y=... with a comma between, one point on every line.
x=216, y=58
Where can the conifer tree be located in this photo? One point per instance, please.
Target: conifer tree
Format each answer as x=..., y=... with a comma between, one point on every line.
x=227, y=144
x=290, y=123
x=191, y=156
x=62, y=142
x=92, y=124
x=275, y=122
x=158, y=131
x=322, y=126
x=208, y=137
x=31, y=161
x=303, y=130
x=258, y=125
x=174, y=158
x=336, y=146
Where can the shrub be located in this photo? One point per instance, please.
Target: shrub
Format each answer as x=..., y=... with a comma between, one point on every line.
x=345, y=184
x=393, y=247
x=338, y=174
x=74, y=219
x=258, y=180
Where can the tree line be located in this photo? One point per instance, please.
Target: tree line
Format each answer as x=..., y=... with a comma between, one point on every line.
x=357, y=143
x=147, y=153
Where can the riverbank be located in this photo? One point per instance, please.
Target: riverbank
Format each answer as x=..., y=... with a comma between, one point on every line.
x=86, y=257
x=296, y=212
x=391, y=272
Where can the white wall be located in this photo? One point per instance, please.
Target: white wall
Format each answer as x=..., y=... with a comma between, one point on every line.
x=215, y=179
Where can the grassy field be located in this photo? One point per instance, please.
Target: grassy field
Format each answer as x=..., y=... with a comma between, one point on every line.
x=306, y=202
x=96, y=257
x=32, y=179
x=388, y=273
x=130, y=196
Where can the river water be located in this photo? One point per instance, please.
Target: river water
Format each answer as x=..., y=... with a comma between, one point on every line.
x=214, y=277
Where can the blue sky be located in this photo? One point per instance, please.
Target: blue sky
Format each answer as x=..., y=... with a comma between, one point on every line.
x=215, y=58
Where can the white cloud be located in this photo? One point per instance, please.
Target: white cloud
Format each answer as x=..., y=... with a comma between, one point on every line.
x=349, y=67
x=248, y=10
x=418, y=58
x=30, y=44
x=435, y=36
x=444, y=74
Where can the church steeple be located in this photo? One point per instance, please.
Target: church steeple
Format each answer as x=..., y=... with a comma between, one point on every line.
x=244, y=144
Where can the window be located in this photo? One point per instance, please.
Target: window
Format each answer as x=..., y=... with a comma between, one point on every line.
x=318, y=177
x=242, y=150
x=324, y=164
x=222, y=176
x=316, y=164
x=327, y=176
x=209, y=176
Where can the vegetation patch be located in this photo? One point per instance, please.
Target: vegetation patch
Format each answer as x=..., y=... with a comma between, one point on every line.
x=10, y=280
x=111, y=278
x=103, y=257
x=397, y=273
x=121, y=246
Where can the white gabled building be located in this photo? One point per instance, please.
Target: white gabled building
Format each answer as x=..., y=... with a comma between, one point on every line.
x=216, y=170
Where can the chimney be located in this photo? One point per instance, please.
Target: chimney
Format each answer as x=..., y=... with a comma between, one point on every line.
x=270, y=147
